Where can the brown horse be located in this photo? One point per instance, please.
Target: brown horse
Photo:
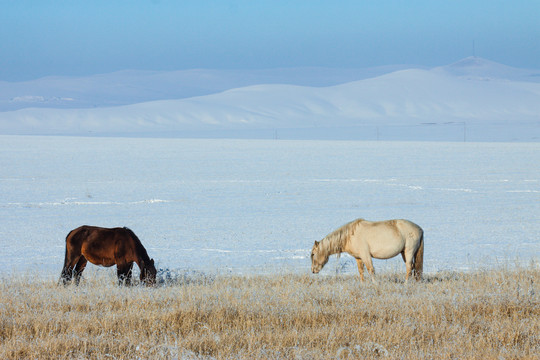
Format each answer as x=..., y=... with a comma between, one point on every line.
x=106, y=247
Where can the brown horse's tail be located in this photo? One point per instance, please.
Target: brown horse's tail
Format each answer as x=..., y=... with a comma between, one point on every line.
x=67, y=271
x=419, y=259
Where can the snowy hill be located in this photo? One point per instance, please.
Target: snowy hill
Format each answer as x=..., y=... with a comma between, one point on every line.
x=482, y=69
x=130, y=86
x=484, y=97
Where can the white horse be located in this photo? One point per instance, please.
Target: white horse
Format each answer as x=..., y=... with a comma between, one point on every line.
x=366, y=239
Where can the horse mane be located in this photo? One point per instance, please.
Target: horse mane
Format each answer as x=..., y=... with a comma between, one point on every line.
x=334, y=242
x=141, y=251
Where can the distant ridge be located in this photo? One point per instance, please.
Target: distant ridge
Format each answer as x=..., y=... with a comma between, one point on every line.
x=134, y=86
x=477, y=93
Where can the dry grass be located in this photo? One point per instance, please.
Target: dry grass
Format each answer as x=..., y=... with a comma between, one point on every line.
x=481, y=315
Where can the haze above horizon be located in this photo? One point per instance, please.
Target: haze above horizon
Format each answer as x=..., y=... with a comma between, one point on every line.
x=76, y=38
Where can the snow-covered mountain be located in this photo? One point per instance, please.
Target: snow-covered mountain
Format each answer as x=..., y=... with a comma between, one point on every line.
x=483, y=69
x=130, y=86
x=474, y=92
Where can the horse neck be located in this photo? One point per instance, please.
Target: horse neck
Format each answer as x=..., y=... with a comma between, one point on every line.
x=140, y=251
x=143, y=260
x=333, y=243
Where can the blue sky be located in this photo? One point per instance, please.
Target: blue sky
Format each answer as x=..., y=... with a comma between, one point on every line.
x=40, y=38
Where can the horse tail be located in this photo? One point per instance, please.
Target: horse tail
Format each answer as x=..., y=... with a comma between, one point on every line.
x=69, y=238
x=419, y=258
x=66, y=255
x=66, y=274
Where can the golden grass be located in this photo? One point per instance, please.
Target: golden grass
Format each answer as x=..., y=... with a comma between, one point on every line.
x=480, y=315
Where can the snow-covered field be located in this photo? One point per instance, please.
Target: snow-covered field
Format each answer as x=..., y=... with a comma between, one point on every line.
x=245, y=206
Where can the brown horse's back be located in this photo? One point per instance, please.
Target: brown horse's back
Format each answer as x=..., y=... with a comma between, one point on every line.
x=101, y=246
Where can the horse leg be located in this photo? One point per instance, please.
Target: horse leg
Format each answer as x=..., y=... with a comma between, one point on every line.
x=408, y=258
x=369, y=266
x=79, y=268
x=408, y=266
x=128, y=276
x=360, y=268
x=67, y=271
x=65, y=276
x=124, y=273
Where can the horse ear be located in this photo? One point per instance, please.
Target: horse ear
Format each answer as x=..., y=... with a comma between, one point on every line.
x=316, y=243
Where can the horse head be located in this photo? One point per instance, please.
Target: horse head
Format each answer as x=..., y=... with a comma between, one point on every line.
x=148, y=273
x=318, y=258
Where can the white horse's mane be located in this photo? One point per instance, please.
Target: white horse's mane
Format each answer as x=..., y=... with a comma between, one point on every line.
x=334, y=242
